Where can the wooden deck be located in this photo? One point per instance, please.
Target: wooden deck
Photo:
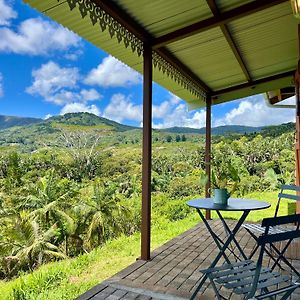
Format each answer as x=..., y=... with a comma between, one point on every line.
x=173, y=272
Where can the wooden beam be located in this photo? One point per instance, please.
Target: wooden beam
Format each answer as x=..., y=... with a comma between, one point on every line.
x=208, y=154
x=253, y=83
x=204, y=25
x=141, y=33
x=147, y=154
x=213, y=7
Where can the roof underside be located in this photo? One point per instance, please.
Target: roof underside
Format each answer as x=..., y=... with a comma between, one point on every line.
x=224, y=49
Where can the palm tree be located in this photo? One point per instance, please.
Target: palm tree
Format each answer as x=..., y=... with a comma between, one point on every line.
x=29, y=245
x=105, y=214
x=49, y=203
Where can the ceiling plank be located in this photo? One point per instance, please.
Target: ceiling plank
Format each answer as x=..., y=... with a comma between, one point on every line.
x=141, y=33
x=253, y=83
x=169, y=57
x=213, y=7
x=204, y=25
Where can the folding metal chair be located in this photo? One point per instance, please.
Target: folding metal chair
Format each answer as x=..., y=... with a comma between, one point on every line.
x=251, y=280
x=255, y=230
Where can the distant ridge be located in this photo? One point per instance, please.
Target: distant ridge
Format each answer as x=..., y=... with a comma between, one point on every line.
x=11, y=121
x=83, y=119
x=88, y=119
x=220, y=130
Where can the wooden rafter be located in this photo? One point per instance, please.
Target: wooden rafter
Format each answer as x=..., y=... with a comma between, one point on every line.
x=213, y=7
x=204, y=25
x=253, y=83
x=141, y=33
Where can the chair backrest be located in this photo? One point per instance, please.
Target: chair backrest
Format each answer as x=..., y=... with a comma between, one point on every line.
x=278, y=237
x=272, y=238
x=283, y=194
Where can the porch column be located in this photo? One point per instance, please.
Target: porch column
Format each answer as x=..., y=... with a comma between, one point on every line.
x=297, y=144
x=147, y=145
x=208, y=153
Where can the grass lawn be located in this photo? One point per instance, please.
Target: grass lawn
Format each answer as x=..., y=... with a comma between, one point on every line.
x=70, y=278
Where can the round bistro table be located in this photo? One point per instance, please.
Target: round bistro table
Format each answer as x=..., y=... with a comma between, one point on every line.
x=234, y=204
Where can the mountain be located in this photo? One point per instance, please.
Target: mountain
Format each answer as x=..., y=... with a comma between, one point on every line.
x=220, y=130
x=11, y=121
x=88, y=119
x=80, y=119
x=17, y=126
x=276, y=130
x=229, y=129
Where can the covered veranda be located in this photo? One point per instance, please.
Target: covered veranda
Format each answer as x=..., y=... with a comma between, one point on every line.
x=206, y=52
x=173, y=272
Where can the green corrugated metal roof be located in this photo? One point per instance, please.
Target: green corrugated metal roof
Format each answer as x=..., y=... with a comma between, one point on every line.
x=267, y=41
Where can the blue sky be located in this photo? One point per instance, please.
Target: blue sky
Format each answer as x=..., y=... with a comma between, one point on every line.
x=46, y=70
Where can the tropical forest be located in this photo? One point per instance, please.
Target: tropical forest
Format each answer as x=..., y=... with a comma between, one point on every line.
x=70, y=193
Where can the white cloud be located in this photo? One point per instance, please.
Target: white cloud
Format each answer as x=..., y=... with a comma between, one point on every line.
x=6, y=13
x=253, y=111
x=65, y=96
x=171, y=113
x=164, y=108
x=1, y=86
x=50, y=80
x=112, y=73
x=47, y=116
x=80, y=107
x=174, y=99
x=37, y=37
x=181, y=117
x=90, y=95
x=59, y=85
x=121, y=108
x=160, y=111
x=73, y=54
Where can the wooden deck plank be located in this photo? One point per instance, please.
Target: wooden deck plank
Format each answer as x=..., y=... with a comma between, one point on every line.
x=173, y=272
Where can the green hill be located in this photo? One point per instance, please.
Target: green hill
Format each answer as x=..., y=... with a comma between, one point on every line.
x=88, y=119
x=31, y=133
x=220, y=130
x=11, y=121
x=273, y=130
x=276, y=130
x=48, y=132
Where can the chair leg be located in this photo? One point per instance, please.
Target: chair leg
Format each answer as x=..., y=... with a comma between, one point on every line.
x=253, y=251
x=199, y=286
x=287, y=295
x=281, y=257
x=219, y=297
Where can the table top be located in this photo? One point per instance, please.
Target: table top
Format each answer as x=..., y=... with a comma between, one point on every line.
x=234, y=204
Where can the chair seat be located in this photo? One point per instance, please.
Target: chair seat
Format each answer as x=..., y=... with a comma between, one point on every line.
x=239, y=277
x=257, y=228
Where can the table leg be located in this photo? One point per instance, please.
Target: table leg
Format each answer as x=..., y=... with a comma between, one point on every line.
x=214, y=236
x=223, y=249
x=226, y=227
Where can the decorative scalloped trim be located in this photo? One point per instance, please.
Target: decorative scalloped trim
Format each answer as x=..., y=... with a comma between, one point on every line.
x=175, y=74
x=107, y=22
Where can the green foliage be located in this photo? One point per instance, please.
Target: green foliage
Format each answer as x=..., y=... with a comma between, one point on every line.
x=225, y=176
x=169, y=139
x=69, y=278
x=75, y=194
